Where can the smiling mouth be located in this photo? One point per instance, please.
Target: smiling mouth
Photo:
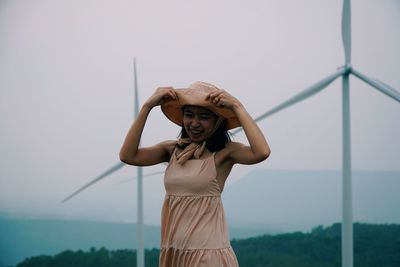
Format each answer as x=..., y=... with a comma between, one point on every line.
x=195, y=132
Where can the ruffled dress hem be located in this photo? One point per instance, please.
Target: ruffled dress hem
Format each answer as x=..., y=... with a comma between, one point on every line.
x=205, y=257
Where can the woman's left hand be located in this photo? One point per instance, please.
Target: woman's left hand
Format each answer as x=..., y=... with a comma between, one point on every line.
x=243, y=154
x=222, y=98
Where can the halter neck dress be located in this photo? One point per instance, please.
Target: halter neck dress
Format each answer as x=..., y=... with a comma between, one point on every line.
x=193, y=227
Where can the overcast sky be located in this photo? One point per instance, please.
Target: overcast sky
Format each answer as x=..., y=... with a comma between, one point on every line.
x=66, y=88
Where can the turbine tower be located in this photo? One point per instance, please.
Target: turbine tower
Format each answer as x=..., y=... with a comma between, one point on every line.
x=139, y=223
x=344, y=72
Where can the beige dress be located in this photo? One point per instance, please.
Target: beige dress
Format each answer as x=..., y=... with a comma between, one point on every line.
x=193, y=227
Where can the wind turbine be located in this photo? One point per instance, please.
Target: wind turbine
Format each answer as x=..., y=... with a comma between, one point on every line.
x=344, y=72
x=140, y=223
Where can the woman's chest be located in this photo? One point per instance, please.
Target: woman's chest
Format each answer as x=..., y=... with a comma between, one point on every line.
x=192, y=177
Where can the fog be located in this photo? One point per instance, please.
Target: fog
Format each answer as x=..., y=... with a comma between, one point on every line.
x=66, y=90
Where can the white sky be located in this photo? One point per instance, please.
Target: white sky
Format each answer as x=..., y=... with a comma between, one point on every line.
x=66, y=88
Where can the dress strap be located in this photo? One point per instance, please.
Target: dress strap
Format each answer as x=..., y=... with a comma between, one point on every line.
x=173, y=155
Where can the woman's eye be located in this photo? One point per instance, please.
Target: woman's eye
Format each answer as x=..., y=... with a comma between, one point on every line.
x=205, y=117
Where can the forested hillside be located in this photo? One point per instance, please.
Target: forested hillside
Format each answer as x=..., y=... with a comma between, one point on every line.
x=374, y=245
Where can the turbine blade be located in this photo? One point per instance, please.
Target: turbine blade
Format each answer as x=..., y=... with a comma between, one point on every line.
x=384, y=88
x=134, y=178
x=136, y=88
x=315, y=88
x=346, y=30
x=108, y=172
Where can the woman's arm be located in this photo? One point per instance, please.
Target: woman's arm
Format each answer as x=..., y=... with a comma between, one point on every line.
x=130, y=152
x=236, y=152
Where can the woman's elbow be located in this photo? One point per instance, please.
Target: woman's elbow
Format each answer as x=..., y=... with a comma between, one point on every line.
x=264, y=154
x=125, y=158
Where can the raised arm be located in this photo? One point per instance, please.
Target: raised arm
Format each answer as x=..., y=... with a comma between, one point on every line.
x=130, y=152
x=236, y=152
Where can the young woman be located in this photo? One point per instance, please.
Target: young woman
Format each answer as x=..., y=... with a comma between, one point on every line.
x=193, y=227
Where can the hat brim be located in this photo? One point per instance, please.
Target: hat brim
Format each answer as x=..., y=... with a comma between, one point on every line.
x=173, y=109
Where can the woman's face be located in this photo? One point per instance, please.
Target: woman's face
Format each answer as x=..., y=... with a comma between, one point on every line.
x=198, y=122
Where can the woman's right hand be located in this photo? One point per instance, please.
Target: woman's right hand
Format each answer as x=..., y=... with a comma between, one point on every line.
x=130, y=152
x=160, y=95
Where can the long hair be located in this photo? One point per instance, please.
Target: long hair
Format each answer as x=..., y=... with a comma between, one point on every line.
x=217, y=140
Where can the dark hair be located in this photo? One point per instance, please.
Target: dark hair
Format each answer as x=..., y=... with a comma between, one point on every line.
x=217, y=140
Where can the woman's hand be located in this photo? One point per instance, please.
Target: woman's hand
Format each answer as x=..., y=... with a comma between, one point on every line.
x=222, y=98
x=160, y=95
x=236, y=152
x=130, y=152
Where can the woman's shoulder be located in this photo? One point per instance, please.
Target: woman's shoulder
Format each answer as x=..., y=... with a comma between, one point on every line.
x=231, y=146
x=223, y=154
x=169, y=145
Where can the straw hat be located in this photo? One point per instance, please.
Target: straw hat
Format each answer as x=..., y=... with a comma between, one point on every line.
x=195, y=95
